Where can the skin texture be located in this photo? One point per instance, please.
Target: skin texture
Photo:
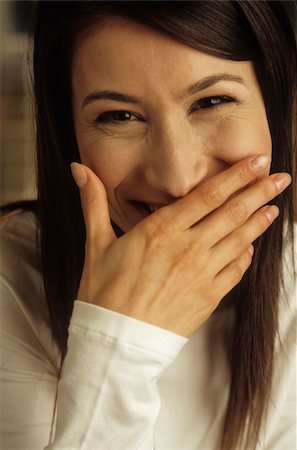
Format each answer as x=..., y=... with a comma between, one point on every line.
x=173, y=267
x=174, y=148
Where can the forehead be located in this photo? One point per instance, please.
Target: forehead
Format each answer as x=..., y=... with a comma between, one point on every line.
x=126, y=53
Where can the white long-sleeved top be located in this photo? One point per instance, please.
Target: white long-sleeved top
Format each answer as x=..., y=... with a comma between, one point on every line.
x=125, y=384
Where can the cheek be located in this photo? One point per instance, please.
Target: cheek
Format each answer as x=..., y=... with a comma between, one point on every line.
x=236, y=138
x=112, y=162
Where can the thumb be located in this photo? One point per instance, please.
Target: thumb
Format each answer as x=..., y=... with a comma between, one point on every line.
x=94, y=206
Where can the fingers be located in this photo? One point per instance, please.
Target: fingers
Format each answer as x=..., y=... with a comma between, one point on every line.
x=213, y=193
x=233, y=273
x=233, y=245
x=94, y=204
x=236, y=211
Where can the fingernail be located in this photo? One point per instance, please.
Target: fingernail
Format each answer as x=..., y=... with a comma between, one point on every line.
x=282, y=180
x=260, y=162
x=79, y=174
x=271, y=212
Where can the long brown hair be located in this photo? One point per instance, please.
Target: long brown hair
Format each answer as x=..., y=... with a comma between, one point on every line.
x=256, y=30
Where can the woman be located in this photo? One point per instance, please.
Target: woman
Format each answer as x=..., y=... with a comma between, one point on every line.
x=171, y=329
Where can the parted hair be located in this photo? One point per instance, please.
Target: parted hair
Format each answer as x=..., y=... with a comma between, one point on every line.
x=259, y=31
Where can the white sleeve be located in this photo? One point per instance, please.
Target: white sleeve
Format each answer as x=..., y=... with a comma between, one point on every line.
x=107, y=395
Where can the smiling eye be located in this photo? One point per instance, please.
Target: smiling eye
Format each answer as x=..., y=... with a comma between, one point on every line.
x=210, y=102
x=115, y=117
x=119, y=117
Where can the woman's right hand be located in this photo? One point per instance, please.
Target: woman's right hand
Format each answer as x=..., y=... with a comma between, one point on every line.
x=175, y=266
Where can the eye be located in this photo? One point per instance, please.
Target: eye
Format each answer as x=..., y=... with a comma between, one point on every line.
x=119, y=117
x=116, y=117
x=212, y=102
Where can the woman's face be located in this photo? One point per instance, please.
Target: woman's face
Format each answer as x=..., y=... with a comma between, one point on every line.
x=154, y=118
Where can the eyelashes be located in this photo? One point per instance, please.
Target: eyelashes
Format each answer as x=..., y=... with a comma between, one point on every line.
x=211, y=102
x=116, y=116
x=121, y=117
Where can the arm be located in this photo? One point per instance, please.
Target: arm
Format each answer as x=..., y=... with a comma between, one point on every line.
x=108, y=396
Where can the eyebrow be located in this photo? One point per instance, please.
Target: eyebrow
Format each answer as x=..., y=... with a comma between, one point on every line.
x=200, y=85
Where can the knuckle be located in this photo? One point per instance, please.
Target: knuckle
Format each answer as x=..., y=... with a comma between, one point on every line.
x=263, y=221
x=246, y=260
x=156, y=230
x=173, y=222
x=246, y=174
x=185, y=253
x=236, y=212
x=240, y=267
x=239, y=242
x=212, y=196
x=237, y=273
x=269, y=190
x=161, y=226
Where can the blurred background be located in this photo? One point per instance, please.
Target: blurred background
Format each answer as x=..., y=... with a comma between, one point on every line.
x=17, y=159
x=17, y=156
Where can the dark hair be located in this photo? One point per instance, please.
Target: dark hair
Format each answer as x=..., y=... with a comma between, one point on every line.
x=256, y=30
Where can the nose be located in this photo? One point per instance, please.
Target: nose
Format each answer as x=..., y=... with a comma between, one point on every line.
x=176, y=162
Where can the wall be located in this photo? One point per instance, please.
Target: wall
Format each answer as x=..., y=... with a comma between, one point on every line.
x=17, y=163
